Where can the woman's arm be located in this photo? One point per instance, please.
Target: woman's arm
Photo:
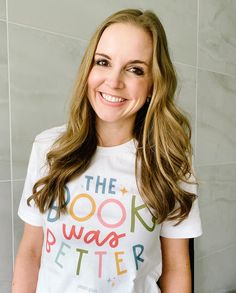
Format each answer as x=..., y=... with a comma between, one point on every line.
x=176, y=272
x=28, y=260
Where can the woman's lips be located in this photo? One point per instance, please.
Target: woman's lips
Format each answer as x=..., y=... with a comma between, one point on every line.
x=112, y=99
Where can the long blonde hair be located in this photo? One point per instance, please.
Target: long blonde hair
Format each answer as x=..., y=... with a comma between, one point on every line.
x=163, y=133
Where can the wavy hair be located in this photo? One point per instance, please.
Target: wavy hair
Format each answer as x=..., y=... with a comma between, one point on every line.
x=163, y=133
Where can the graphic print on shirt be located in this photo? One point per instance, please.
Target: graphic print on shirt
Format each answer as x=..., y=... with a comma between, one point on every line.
x=99, y=229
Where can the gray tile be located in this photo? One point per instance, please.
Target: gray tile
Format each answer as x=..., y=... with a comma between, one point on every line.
x=5, y=287
x=4, y=107
x=3, y=9
x=216, y=140
x=216, y=273
x=70, y=19
x=18, y=223
x=80, y=19
x=6, y=233
x=43, y=70
x=217, y=182
x=217, y=205
x=180, y=22
x=215, y=255
x=217, y=34
x=186, y=94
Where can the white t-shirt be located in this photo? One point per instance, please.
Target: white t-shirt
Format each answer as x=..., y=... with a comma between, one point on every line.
x=108, y=241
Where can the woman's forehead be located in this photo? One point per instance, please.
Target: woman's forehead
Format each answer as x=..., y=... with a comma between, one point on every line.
x=126, y=39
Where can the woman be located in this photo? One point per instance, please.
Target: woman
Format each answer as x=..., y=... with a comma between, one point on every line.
x=110, y=199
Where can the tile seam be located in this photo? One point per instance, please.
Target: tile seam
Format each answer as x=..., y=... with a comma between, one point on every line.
x=214, y=71
x=47, y=31
x=196, y=89
x=216, y=251
x=203, y=69
x=10, y=135
x=213, y=165
x=11, y=180
x=185, y=64
x=85, y=41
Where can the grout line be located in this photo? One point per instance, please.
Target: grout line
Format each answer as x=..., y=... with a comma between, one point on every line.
x=217, y=164
x=18, y=180
x=214, y=71
x=5, y=181
x=196, y=90
x=47, y=31
x=86, y=41
x=203, y=68
x=10, y=135
x=12, y=180
x=215, y=252
x=184, y=64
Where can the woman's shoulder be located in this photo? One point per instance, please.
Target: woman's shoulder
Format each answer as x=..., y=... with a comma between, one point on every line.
x=49, y=136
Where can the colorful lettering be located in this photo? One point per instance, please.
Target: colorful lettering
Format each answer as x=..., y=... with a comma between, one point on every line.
x=53, y=214
x=81, y=251
x=135, y=213
x=100, y=255
x=137, y=255
x=50, y=240
x=111, y=186
x=118, y=261
x=93, y=207
x=94, y=236
x=61, y=252
x=88, y=179
x=72, y=232
x=117, y=202
x=101, y=184
x=115, y=239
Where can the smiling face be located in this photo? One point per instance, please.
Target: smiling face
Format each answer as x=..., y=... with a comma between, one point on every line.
x=120, y=79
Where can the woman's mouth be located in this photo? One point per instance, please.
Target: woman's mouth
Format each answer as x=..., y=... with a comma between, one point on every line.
x=112, y=99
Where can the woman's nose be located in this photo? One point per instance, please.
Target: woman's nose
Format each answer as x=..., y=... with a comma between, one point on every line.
x=115, y=79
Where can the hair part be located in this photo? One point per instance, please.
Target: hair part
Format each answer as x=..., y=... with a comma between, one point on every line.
x=163, y=133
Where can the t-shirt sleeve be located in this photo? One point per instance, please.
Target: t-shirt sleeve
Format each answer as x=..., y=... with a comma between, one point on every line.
x=30, y=213
x=190, y=227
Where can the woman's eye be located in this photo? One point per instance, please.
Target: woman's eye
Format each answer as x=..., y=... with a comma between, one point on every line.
x=136, y=70
x=101, y=62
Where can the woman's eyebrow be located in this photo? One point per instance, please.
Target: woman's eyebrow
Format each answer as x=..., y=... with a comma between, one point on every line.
x=135, y=61
x=138, y=62
x=103, y=55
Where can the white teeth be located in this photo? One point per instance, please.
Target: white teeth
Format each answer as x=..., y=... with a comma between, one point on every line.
x=112, y=99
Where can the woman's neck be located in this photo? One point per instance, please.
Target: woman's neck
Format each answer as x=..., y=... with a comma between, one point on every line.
x=113, y=135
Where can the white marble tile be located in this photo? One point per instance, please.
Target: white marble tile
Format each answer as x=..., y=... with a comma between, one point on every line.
x=4, y=107
x=3, y=9
x=78, y=19
x=180, y=21
x=186, y=94
x=218, y=221
x=216, y=273
x=18, y=223
x=216, y=139
x=73, y=17
x=43, y=70
x=218, y=212
x=217, y=183
x=6, y=233
x=5, y=286
x=217, y=36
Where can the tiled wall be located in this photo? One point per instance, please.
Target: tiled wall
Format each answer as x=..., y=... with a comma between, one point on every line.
x=41, y=44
